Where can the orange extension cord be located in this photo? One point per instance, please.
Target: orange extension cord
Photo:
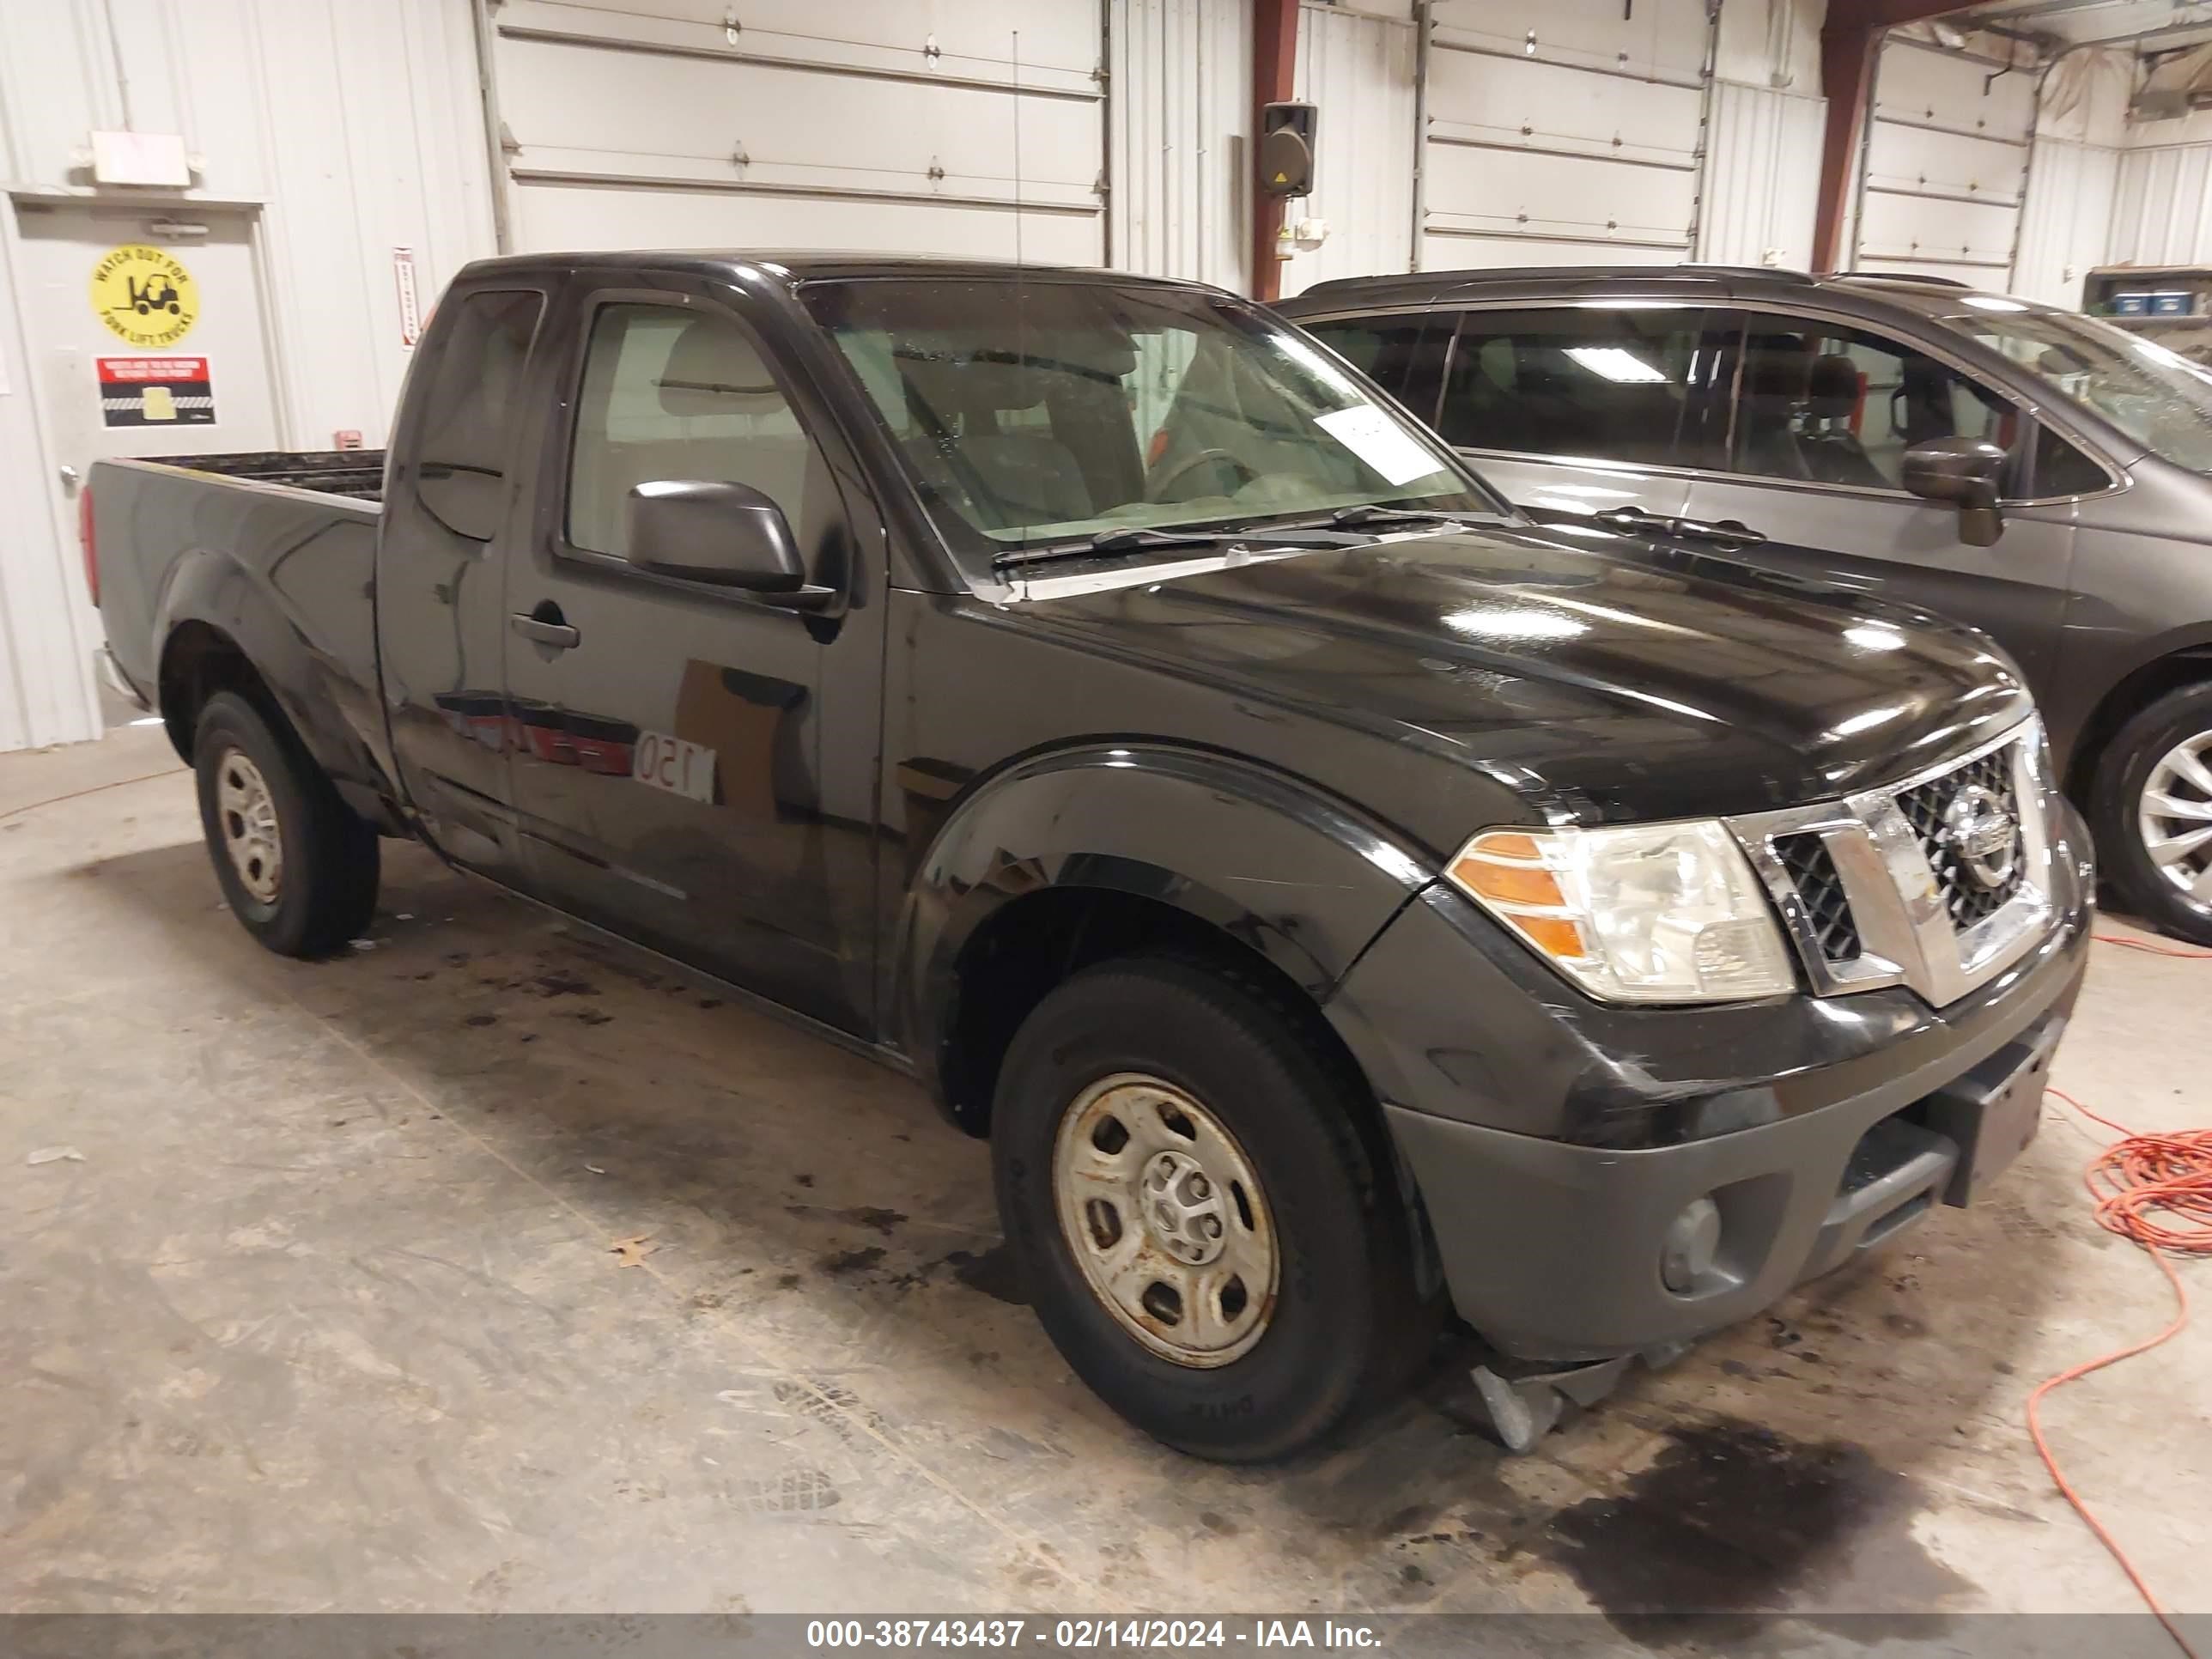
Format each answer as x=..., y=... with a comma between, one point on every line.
x=2155, y=1190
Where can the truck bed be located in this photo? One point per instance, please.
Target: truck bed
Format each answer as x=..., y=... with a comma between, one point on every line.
x=358, y=473
x=277, y=550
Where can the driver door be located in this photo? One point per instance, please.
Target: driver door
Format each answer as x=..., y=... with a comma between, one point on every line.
x=695, y=766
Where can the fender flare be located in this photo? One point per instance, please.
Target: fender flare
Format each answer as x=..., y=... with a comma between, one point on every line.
x=332, y=717
x=1302, y=877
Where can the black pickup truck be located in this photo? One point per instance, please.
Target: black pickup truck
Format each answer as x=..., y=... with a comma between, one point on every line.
x=1339, y=900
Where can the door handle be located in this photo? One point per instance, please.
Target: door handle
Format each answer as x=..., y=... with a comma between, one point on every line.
x=545, y=626
x=1729, y=533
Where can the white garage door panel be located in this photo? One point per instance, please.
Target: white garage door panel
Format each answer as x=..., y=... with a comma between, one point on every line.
x=584, y=217
x=1562, y=132
x=905, y=125
x=1912, y=158
x=1443, y=250
x=1663, y=38
x=1944, y=90
x=1909, y=227
x=1525, y=103
x=1523, y=193
x=1945, y=166
x=579, y=108
x=1980, y=277
x=974, y=39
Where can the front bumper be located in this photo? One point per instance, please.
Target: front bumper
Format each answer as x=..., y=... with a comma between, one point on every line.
x=1552, y=1146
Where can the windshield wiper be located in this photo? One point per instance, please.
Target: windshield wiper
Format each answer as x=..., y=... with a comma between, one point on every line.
x=1376, y=512
x=1139, y=540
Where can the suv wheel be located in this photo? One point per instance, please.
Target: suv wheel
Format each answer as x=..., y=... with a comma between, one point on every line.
x=2154, y=814
x=299, y=867
x=1181, y=1172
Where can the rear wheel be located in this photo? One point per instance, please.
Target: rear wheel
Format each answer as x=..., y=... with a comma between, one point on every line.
x=299, y=867
x=2154, y=811
x=1182, y=1171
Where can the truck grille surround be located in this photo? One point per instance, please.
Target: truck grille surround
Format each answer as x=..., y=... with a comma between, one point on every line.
x=1939, y=882
x=1968, y=900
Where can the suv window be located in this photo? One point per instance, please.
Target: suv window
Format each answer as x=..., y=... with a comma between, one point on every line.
x=469, y=409
x=2063, y=469
x=677, y=394
x=1831, y=405
x=1402, y=353
x=1616, y=383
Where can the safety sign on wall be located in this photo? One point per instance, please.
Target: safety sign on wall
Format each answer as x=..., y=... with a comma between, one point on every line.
x=156, y=391
x=145, y=295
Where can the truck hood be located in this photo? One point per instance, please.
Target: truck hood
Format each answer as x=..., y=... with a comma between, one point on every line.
x=1592, y=685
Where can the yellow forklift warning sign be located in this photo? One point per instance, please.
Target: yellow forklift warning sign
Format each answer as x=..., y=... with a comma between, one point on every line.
x=145, y=295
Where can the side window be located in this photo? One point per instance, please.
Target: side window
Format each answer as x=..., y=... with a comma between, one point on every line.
x=1402, y=353
x=1608, y=383
x=1831, y=405
x=672, y=394
x=2063, y=469
x=461, y=450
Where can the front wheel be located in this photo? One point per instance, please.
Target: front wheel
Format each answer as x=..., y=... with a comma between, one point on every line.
x=299, y=867
x=1206, y=1238
x=2153, y=813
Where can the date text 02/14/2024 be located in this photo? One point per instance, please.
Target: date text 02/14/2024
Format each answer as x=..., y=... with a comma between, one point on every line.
x=1088, y=1633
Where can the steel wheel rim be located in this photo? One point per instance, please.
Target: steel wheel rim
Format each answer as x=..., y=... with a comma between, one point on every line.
x=1162, y=1211
x=246, y=812
x=2174, y=816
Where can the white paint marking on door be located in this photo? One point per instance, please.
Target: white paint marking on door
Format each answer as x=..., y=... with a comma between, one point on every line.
x=670, y=763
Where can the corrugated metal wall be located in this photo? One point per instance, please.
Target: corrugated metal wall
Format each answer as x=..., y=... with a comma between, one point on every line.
x=2162, y=207
x=1180, y=119
x=1762, y=173
x=1358, y=67
x=2066, y=220
x=346, y=131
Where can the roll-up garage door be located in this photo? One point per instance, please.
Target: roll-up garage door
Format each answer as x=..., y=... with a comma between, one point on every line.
x=926, y=126
x=1565, y=132
x=1945, y=164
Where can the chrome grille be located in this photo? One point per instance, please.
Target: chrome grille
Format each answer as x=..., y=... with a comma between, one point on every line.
x=1812, y=871
x=1885, y=888
x=1967, y=901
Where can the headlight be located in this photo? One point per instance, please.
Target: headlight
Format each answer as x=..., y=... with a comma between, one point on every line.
x=1659, y=913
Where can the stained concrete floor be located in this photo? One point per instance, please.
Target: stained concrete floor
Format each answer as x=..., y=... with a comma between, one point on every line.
x=336, y=1312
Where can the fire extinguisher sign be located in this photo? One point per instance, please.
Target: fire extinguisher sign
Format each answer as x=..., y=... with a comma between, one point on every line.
x=156, y=391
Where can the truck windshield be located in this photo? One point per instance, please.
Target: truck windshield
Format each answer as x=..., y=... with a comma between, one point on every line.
x=1042, y=410
x=2155, y=395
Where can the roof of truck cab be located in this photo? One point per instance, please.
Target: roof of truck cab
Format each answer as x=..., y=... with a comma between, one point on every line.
x=815, y=264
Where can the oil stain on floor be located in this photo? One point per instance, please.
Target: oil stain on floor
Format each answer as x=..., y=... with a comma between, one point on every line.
x=1732, y=1518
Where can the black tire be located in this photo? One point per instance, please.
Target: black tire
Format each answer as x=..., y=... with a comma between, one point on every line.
x=325, y=888
x=2135, y=753
x=1346, y=1324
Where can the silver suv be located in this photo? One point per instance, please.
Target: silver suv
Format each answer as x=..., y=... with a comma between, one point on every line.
x=2033, y=472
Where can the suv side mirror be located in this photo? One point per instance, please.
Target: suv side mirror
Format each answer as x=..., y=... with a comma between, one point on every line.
x=729, y=534
x=1966, y=472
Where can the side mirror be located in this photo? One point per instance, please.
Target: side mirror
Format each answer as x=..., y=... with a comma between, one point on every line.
x=1967, y=472
x=729, y=534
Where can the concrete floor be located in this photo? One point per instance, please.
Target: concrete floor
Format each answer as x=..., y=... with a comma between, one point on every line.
x=335, y=1314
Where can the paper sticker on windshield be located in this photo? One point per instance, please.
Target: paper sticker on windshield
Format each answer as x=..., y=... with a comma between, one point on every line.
x=1380, y=442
